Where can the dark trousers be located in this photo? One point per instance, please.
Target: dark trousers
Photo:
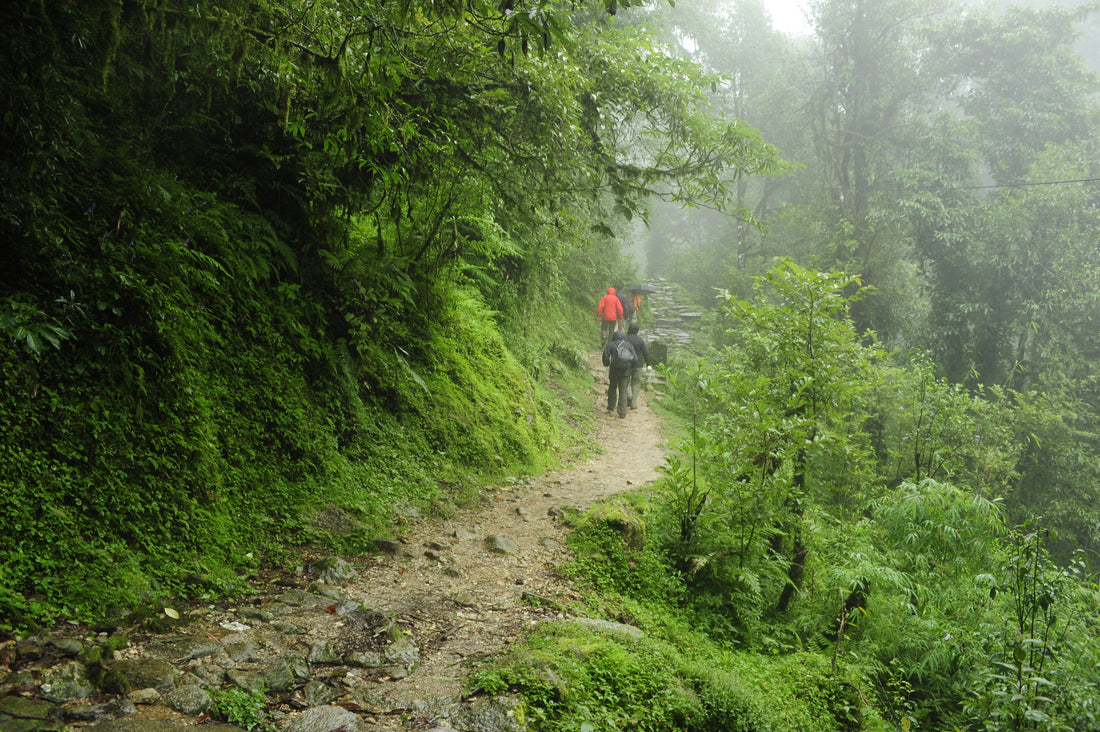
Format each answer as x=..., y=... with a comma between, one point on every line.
x=607, y=327
x=618, y=391
x=636, y=375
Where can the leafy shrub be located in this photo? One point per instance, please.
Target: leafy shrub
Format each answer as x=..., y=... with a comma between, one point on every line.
x=245, y=709
x=1041, y=663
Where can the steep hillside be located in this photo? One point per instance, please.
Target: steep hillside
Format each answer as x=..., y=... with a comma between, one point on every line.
x=390, y=635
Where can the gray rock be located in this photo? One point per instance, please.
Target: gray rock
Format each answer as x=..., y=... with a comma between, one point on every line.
x=153, y=725
x=70, y=647
x=65, y=683
x=463, y=534
x=278, y=676
x=281, y=676
x=277, y=608
x=336, y=520
x=29, y=648
x=364, y=659
x=320, y=719
x=489, y=714
x=190, y=700
x=608, y=627
x=21, y=681
x=322, y=653
x=247, y=679
x=500, y=545
x=463, y=599
x=242, y=652
x=31, y=713
x=403, y=650
x=189, y=678
x=145, y=696
x=396, y=672
x=206, y=675
x=182, y=649
x=113, y=709
x=407, y=510
x=255, y=614
x=324, y=589
x=388, y=546
x=302, y=598
x=147, y=673
x=317, y=693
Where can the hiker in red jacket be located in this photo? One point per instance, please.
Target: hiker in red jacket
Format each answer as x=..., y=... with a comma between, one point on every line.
x=609, y=312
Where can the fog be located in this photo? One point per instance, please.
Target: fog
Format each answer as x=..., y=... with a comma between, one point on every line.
x=921, y=138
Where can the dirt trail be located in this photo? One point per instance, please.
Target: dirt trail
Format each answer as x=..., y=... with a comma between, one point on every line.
x=469, y=604
x=444, y=593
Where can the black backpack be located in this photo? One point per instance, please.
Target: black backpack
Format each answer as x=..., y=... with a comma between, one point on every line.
x=622, y=354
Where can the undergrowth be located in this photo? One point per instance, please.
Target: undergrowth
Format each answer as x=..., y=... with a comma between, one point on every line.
x=212, y=449
x=674, y=675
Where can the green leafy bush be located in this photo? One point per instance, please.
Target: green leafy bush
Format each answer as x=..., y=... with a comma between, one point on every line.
x=247, y=709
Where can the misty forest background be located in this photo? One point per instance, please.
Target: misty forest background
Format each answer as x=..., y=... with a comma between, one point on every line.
x=265, y=262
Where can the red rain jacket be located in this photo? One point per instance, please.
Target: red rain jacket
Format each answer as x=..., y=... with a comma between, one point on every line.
x=609, y=308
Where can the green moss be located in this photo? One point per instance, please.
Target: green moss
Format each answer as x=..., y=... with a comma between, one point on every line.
x=619, y=518
x=211, y=448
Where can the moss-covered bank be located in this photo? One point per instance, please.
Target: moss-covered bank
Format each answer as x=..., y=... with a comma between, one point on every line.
x=207, y=449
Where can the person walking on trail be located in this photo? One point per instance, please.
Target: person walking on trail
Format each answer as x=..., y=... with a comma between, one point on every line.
x=619, y=357
x=628, y=307
x=609, y=311
x=641, y=361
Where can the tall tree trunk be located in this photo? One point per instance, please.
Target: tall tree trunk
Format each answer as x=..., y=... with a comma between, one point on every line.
x=797, y=570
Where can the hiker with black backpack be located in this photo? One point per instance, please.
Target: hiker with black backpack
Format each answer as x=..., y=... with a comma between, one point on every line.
x=619, y=357
x=641, y=361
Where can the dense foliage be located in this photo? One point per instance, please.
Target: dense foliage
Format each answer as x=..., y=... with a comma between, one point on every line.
x=947, y=155
x=276, y=271
x=829, y=549
x=271, y=258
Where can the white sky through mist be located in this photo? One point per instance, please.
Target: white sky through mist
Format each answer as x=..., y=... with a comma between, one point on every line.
x=789, y=16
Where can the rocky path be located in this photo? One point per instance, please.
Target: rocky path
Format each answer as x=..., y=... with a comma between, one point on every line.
x=382, y=643
x=476, y=594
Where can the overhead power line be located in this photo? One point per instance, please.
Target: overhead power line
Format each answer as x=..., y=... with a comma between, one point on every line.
x=1036, y=183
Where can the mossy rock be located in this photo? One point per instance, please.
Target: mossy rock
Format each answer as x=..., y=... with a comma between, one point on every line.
x=621, y=519
x=331, y=520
